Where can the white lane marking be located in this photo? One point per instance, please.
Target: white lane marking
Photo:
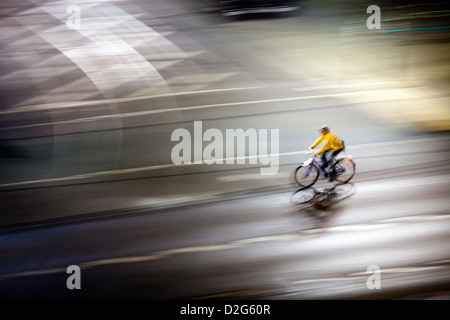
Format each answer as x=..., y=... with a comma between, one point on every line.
x=157, y=111
x=208, y=106
x=91, y=175
x=172, y=165
x=397, y=142
x=326, y=279
x=106, y=59
x=401, y=270
x=227, y=13
x=279, y=237
x=350, y=227
x=364, y=85
x=33, y=273
x=363, y=275
x=170, y=200
x=417, y=218
x=250, y=176
x=445, y=261
x=411, y=182
x=40, y=107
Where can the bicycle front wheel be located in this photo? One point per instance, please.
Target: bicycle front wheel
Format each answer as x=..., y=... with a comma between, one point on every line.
x=306, y=176
x=347, y=166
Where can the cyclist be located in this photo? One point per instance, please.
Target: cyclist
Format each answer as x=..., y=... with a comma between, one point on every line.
x=331, y=148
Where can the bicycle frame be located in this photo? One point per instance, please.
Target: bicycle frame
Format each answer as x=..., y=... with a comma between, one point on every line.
x=311, y=161
x=342, y=168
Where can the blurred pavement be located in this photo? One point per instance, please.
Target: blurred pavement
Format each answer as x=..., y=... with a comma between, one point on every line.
x=63, y=84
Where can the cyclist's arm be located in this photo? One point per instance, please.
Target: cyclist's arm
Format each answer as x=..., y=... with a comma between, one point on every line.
x=324, y=147
x=319, y=140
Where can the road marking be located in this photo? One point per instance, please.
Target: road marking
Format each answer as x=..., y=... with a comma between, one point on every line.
x=350, y=227
x=172, y=165
x=91, y=175
x=417, y=29
x=236, y=12
x=371, y=84
x=40, y=107
x=199, y=107
x=167, y=110
x=400, y=270
x=250, y=176
x=418, y=218
x=327, y=279
x=409, y=183
x=163, y=254
x=101, y=50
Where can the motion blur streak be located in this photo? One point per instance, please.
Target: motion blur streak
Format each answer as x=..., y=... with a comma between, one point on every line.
x=91, y=92
x=164, y=166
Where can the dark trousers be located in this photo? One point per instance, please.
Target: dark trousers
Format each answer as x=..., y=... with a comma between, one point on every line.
x=327, y=157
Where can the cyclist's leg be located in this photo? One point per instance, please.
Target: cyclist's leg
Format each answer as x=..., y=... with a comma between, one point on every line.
x=332, y=161
x=324, y=161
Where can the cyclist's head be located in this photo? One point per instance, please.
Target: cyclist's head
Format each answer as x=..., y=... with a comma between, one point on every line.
x=324, y=129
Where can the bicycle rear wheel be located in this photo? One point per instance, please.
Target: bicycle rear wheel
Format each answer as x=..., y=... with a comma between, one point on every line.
x=348, y=170
x=306, y=176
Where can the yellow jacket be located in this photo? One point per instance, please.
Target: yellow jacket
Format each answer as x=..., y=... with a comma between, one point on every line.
x=332, y=142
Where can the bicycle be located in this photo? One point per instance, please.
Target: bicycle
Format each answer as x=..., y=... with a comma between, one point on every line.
x=308, y=172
